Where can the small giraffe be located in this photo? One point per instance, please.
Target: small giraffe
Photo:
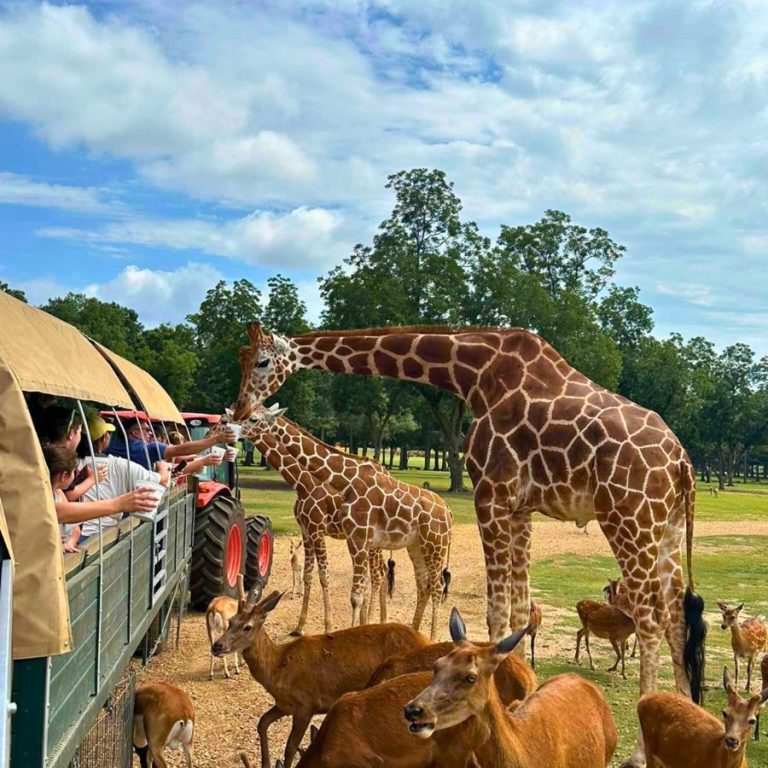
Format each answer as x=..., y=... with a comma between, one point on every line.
x=295, y=570
x=544, y=438
x=357, y=500
x=748, y=638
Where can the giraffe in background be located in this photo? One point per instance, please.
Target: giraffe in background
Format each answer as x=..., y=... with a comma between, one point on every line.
x=357, y=500
x=544, y=438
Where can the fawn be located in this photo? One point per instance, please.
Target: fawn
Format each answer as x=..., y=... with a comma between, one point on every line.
x=605, y=621
x=747, y=638
x=163, y=716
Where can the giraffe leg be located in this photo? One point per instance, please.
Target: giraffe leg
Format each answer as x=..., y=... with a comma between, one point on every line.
x=311, y=543
x=520, y=607
x=324, y=574
x=434, y=557
x=672, y=583
x=359, y=580
x=422, y=589
x=378, y=584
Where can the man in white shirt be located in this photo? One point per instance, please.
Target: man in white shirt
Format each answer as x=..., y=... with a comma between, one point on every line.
x=122, y=475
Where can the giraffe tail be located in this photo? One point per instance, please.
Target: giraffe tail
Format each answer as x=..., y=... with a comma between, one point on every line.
x=693, y=605
x=390, y=575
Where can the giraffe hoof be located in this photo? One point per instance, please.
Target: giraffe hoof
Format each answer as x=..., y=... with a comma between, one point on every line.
x=296, y=633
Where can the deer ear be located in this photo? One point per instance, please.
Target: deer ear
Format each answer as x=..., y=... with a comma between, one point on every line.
x=269, y=603
x=739, y=607
x=457, y=627
x=764, y=696
x=509, y=644
x=722, y=606
x=727, y=682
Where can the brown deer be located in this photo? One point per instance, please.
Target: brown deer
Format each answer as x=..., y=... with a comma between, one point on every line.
x=307, y=675
x=513, y=677
x=220, y=610
x=534, y=622
x=615, y=593
x=679, y=734
x=748, y=638
x=607, y=622
x=462, y=714
x=163, y=716
x=296, y=570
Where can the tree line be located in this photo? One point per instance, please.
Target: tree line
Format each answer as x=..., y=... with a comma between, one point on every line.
x=428, y=265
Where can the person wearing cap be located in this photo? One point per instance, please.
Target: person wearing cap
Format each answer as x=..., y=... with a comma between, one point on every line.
x=139, y=437
x=121, y=474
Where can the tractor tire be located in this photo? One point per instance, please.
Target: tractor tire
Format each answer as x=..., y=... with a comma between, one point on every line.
x=218, y=551
x=258, y=553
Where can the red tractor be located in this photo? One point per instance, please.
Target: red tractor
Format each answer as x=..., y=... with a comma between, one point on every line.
x=226, y=543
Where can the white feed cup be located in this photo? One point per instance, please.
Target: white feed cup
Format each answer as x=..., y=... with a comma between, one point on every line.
x=218, y=450
x=237, y=429
x=158, y=490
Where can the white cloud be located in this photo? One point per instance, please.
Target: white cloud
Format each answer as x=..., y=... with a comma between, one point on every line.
x=701, y=295
x=303, y=237
x=159, y=296
x=21, y=190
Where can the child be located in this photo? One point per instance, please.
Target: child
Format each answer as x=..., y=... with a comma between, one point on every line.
x=62, y=463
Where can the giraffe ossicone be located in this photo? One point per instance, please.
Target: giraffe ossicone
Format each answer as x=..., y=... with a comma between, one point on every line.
x=544, y=438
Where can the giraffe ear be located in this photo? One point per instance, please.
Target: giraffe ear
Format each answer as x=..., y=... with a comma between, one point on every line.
x=282, y=345
x=457, y=627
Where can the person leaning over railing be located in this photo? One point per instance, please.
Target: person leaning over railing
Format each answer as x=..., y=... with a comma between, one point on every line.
x=121, y=475
x=138, y=450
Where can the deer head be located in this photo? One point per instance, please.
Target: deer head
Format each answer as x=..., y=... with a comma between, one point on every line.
x=246, y=625
x=265, y=364
x=460, y=687
x=739, y=715
x=730, y=615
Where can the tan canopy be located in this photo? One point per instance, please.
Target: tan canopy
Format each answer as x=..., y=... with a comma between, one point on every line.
x=45, y=354
x=4, y=534
x=155, y=400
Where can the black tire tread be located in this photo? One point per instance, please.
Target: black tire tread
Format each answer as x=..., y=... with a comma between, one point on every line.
x=256, y=527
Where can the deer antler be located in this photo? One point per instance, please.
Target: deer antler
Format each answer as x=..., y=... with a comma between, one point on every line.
x=240, y=588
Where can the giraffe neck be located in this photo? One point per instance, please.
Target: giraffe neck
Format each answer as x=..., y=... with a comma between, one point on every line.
x=326, y=463
x=450, y=361
x=291, y=469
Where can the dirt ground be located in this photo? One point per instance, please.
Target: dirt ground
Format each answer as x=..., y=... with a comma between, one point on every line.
x=228, y=710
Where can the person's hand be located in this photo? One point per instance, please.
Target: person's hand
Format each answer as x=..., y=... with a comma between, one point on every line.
x=230, y=454
x=102, y=470
x=212, y=459
x=69, y=548
x=138, y=500
x=162, y=466
x=226, y=435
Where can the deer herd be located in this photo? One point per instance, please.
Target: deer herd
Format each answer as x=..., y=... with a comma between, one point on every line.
x=546, y=439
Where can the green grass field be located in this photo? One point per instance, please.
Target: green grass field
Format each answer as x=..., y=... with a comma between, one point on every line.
x=732, y=569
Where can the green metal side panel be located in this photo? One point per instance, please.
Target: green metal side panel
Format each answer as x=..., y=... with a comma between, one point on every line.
x=28, y=724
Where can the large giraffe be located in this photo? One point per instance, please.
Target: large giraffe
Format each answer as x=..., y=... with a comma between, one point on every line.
x=345, y=497
x=544, y=438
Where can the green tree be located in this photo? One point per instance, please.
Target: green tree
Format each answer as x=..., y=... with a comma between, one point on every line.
x=109, y=323
x=20, y=295
x=172, y=360
x=220, y=329
x=414, y=273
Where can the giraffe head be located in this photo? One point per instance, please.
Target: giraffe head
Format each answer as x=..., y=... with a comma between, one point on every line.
x=265, y=364
x=730, y=615
x=461, y=685
x=261, y=421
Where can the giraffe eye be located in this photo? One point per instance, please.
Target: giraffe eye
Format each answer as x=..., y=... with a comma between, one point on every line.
x=263, y=363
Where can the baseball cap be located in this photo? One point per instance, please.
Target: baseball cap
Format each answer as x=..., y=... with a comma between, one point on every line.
x=97, y=426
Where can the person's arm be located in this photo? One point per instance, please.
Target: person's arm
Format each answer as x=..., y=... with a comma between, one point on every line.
x=196, y=446
x=83, y=487
x=70, y=545
x=209, y=460
x=139, y=500
x=163, y=470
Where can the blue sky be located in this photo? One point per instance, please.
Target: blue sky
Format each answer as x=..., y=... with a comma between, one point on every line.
x=149, y=148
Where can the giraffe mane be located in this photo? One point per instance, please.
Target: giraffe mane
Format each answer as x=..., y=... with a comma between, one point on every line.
x=384, y=331
x=333, y=448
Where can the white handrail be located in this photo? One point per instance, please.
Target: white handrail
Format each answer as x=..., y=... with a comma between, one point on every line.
x=6, y=662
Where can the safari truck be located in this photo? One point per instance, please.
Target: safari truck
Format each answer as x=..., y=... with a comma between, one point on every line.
x=225, y=543
x=71, y=623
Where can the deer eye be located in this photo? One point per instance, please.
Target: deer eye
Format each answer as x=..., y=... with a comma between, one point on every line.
x=263, y=363
x=471, y=678
x=725, y=715
x=248, y=627
x=751, y=721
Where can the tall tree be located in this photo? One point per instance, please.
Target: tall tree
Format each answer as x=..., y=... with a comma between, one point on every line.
x=414, y=273
x=172, y=359
x=219, y=328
